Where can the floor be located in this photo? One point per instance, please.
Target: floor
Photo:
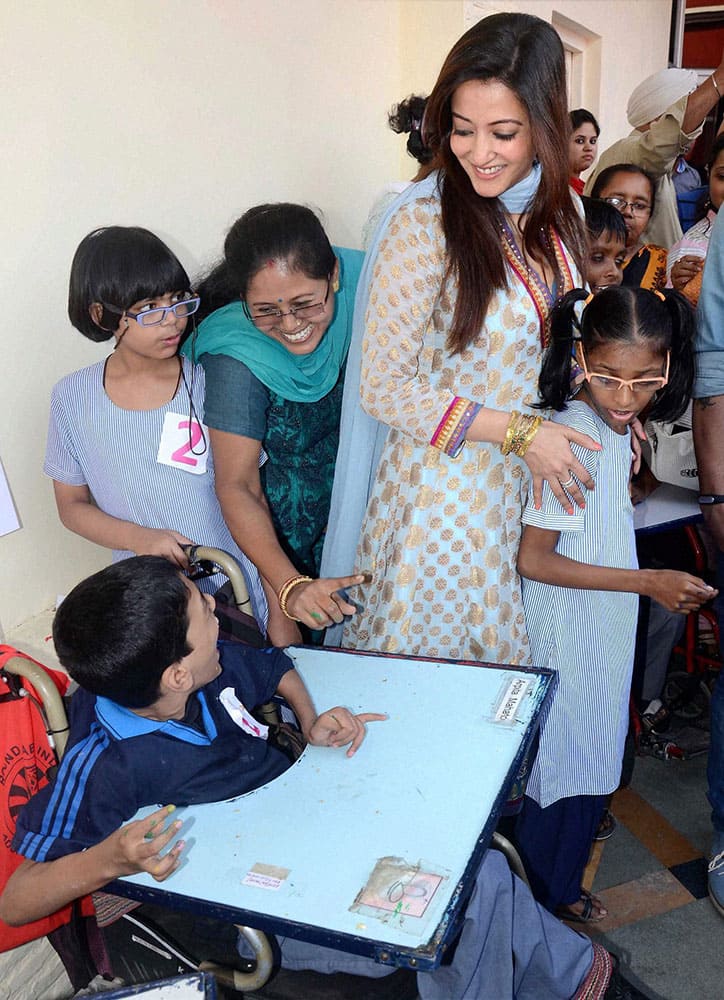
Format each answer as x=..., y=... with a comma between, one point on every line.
x=651, y=875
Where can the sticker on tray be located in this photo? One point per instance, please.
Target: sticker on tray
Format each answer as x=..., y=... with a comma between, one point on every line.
x=269, y=877
x=511, y=698
x=398, y=888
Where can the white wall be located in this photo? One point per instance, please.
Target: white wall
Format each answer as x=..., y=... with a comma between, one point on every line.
x=176, y=115
x=179, y=114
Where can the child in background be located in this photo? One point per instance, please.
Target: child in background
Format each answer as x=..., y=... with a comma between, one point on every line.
x=127, y=447
x=605, y=244
x=580, y=575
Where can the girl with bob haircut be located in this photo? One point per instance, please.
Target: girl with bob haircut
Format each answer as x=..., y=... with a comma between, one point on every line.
x=453, y=317
x=275, y=330
x=127, y=447
x=581, y=580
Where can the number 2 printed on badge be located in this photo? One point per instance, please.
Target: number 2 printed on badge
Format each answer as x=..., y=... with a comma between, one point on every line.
x=185, y=452
x=179, y=439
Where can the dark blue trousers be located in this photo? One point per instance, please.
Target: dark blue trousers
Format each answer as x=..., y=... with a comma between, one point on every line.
x=555, y=844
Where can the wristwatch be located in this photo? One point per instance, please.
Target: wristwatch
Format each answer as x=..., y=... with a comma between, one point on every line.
x=711, y=498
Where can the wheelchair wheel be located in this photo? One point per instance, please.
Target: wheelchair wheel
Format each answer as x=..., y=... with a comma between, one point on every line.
x=687, y=695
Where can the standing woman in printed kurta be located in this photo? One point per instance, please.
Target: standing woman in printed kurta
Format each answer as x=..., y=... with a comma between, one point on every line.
x=463, y=275
x=276, y=323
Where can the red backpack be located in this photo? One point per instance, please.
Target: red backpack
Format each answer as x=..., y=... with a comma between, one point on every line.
x=27, y=762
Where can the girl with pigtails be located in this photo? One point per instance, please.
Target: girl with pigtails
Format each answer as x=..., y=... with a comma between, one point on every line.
x=579, y=571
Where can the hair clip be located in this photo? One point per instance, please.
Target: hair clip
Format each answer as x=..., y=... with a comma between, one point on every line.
x=588, y=300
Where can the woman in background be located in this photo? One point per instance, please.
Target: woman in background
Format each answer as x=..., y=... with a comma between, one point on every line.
x=633, y=193
x=582, y=146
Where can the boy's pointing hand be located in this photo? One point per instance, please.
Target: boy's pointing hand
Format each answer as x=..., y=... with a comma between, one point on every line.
x=338, y=726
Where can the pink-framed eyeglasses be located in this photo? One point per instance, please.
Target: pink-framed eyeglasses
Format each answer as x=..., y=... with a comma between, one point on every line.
x=609, y=383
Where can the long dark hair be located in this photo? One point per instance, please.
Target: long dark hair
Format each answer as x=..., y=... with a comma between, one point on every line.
x=281, y=231
x=622, y=313
x=526, y=55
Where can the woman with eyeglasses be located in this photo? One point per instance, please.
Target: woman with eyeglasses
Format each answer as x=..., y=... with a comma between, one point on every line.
x=632, y=191
x=127, y=448
x=275, y=331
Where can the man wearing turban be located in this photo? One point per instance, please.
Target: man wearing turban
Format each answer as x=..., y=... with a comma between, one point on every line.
x=667, y=113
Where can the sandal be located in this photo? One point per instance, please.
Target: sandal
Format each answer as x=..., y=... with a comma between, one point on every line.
x=591, y=912
x=607, y=825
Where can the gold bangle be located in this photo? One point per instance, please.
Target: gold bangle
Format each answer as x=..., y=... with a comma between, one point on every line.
x=716, y=85
x=530, y=433
x=520, y=432
x=286, y=589
x=509, y=432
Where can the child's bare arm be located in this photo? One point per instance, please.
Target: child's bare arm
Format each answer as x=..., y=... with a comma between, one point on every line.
x=39, y=888
x=538, y=560
x=79, y=514
x=335, y=728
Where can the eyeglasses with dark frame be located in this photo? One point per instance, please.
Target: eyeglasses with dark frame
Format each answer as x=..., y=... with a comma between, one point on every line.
x=609, y=383
x=268, y=317
x=152, y=317
x=620, y=204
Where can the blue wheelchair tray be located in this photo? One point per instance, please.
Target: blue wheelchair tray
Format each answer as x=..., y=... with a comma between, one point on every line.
x=375, y=854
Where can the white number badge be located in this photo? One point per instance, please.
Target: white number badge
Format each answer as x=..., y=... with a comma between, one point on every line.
x=182, y=444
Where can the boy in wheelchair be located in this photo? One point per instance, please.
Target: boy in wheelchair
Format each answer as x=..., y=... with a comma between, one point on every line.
x=162, y=715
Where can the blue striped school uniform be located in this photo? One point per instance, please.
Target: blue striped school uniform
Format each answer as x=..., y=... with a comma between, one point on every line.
x=587, y=636
x=114, y=452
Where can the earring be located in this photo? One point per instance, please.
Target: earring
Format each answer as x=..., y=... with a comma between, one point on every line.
x=335, y=285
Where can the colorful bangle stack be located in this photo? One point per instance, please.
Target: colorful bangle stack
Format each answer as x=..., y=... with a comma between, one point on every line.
x=521, y=430
x=286, y=589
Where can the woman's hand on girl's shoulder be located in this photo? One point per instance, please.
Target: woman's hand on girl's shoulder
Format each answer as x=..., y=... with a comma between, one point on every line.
x=163, y=542
x=550, y=459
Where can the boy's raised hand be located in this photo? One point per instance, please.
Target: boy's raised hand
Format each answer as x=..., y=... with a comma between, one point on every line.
x=136, y=847
x=677, y=591
x=338, y=726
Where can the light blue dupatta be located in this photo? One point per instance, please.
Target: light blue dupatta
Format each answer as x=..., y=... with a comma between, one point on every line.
x=361, y=437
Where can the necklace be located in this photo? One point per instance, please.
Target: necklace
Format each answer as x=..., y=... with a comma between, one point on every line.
x=543, y=297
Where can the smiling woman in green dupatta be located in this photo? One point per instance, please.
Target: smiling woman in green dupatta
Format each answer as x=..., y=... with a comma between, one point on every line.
x=273, y=342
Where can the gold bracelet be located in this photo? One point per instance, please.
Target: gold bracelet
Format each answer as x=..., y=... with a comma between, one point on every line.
x=716, y=85
x=530, y=433
x=520, y=432
x=509, y=432
x=286, y=589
